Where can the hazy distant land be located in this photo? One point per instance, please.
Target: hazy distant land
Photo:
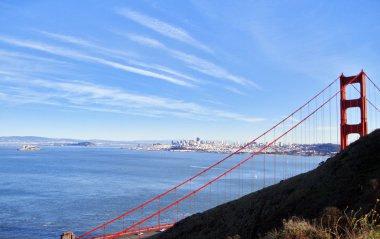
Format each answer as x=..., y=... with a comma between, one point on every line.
x=45, y=141
x=179, y=146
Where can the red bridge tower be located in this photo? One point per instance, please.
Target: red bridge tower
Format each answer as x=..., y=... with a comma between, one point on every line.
x=346, y=129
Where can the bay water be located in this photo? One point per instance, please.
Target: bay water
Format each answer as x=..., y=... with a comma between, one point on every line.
x=44, y=193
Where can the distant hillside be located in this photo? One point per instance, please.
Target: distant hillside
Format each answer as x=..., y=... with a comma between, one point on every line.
x=32, y=139
x=350, y=179
x=11, y=140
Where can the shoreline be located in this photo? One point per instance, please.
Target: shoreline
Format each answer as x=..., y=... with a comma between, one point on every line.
x=230, y=152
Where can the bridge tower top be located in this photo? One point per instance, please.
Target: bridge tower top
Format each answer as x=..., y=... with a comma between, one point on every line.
x=345, y=128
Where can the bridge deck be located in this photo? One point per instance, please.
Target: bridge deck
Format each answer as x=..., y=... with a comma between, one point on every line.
x=138, y=233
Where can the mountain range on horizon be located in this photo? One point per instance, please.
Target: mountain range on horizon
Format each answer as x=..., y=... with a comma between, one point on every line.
x=48, y=140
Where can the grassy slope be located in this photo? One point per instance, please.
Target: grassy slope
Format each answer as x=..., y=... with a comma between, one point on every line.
x=350, y=179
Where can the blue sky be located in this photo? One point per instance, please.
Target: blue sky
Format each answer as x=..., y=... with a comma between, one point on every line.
x=132, y=70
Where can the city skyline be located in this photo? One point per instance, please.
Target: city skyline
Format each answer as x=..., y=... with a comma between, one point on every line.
x=161, y=70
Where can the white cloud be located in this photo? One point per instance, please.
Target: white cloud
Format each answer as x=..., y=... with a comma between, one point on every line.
x=17, y=55
x=162, y=28
x=206, y=67
x=164, y=69
x=82, y=57
x=234, y=90
x=118, y=53
x=145, y=41
x=82, y=95
x=196, y=63
x=114, y=53
x=12, y=62
x=27, y=87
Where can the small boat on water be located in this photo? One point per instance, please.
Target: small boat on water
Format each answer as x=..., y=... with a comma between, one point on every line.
x=28, y=148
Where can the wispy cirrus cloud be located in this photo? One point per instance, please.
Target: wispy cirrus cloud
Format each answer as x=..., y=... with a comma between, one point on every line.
x=12, y=62
x=193, y=62
x=32, y=87
x=94, y=97
x=196, y=63
x=209, y=68
x=234, y=90
x=17, y=55
x=116, y=54
x=163, y=28
x=63, y=52
x=165, y=69
x=113, y=53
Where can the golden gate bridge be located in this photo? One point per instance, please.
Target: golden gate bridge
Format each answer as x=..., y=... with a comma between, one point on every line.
x=344, y=110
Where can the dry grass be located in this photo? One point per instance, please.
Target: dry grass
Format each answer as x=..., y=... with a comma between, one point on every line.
x=296, y=228
x=333, y=224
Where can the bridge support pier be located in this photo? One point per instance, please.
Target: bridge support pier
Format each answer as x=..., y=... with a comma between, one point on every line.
x=68, y=235
x=347, y=129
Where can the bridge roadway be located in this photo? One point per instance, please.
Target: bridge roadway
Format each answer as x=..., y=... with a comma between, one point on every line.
x=138, y=233
x=137, y=236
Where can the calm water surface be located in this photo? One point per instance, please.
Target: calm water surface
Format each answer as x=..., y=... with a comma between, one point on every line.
x=43, y=193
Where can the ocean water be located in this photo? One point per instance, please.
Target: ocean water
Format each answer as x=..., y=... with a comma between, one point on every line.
x=44, y=193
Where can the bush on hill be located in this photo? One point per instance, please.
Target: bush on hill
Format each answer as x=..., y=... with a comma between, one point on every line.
x=333, y=224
